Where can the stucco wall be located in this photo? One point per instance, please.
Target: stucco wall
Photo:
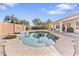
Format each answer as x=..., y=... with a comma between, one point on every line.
x=19, y=28
x=7, y=28
x=72, y=23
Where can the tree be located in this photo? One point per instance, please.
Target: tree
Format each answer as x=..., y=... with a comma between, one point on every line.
x=44, y=25
x=17, y=21
x=48, y=21
x=36, y=22
x=10, y=19
x=25, y=22
x=7, y=18
x=13, y=19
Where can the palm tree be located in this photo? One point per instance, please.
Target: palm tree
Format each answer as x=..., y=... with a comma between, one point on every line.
x=11, y=19
x=7, y=18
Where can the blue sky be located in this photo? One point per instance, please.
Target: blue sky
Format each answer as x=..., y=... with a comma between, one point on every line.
x=44, y=11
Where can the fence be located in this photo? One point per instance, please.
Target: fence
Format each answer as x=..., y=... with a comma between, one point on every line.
x=9, y=28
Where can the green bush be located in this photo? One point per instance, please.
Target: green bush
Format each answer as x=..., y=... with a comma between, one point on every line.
x=27, y=27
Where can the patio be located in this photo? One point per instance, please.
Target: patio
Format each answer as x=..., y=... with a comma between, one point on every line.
x=67, y=45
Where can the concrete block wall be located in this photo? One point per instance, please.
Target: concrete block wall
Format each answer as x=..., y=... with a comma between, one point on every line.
x=7, y=28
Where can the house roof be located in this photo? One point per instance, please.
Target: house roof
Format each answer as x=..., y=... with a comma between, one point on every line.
x=69, y=17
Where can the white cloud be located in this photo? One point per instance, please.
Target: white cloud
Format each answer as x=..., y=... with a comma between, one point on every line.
x=62, y=8
x=5, y=5
x=10, y=4
x=66, y=6
x=56, y=12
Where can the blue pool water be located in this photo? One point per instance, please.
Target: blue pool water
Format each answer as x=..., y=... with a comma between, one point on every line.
x=38, y=38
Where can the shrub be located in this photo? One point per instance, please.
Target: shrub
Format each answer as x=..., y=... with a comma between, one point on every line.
x=27, y=27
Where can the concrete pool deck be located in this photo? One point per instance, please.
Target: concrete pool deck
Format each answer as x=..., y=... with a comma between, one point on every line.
x=75, y=37
x=65, y=46
x=16, y=48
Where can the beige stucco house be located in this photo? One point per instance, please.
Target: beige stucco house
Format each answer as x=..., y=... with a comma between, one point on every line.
x=70, y=21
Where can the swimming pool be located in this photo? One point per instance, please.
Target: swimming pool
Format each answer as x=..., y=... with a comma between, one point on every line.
x=38, y=38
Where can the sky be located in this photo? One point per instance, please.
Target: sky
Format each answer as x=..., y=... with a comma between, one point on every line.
x=43, y=11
